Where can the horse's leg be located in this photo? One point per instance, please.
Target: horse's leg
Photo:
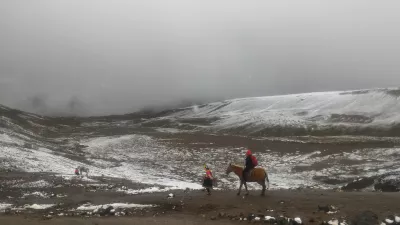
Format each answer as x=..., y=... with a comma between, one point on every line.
x=264, y=187
x=240, y=187
x=245, y=185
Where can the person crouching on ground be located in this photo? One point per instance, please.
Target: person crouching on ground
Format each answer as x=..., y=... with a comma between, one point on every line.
x=208, y=180
x=76, y=171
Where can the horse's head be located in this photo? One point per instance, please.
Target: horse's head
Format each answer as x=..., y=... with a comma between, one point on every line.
x=229, y=169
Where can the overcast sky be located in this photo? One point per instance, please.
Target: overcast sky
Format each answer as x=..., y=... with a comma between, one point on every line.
x=103, y=57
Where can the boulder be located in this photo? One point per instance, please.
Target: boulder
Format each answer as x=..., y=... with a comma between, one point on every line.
x=365, y=218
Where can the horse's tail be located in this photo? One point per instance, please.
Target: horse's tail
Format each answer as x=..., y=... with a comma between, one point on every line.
x=266, y=176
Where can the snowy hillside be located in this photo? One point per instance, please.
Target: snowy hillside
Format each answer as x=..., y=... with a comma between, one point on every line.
x=162, y=151
x=353, y=112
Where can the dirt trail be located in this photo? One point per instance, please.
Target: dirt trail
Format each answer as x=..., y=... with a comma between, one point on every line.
x=222, y=207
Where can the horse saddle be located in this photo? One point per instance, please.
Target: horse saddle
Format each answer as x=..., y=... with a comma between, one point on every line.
x=250, y=173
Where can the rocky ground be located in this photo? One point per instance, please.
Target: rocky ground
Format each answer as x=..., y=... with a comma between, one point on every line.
x=27, y=198
x=366, y=193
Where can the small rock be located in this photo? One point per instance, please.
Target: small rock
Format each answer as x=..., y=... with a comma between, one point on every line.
x=48, y=217
x=359, y=184
x=221, y=214
x=324, y=208
x=7, y=211
x=171, y=195
x=365, y=218
x=213, y=218
x=250, y=217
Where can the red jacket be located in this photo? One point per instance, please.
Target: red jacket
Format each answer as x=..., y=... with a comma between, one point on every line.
x=209, y=174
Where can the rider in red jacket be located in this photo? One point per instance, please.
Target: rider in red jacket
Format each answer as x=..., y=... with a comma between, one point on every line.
x=249, y=164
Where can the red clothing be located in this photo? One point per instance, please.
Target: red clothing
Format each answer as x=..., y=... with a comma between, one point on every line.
x=209, y=174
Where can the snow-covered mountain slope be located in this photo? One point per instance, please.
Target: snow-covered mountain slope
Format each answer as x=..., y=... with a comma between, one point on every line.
x=353, y=112
x=136, y=147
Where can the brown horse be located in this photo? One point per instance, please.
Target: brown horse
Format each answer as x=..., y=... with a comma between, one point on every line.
x=258, y=175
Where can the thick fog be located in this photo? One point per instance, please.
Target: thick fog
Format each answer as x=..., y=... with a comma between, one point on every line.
x=111, y=57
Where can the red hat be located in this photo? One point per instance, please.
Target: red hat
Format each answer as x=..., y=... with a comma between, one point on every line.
x=248, y=152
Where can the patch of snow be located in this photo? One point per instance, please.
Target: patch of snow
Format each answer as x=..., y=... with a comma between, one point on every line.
x=90, y=207
x=267, y=218
x=4, y=206
x=389, y=221
x=298, y=220
x=334, y=222
x=169, y=130
x=39, y=206
x=35, y=184
x=37, y=194
x=5, y=138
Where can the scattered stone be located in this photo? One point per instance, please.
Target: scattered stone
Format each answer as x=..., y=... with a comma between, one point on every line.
x=221, y=214
x=171, y=195
x=213, y=218
x=48, y=217
x=365, y=218
x=250, y=217
x=359, y=184
x=7, y=211
x=388, y=183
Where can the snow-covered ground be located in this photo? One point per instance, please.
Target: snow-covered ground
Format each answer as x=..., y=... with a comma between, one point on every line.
x=90, y=207
x=142, y=159
x=362, y=108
